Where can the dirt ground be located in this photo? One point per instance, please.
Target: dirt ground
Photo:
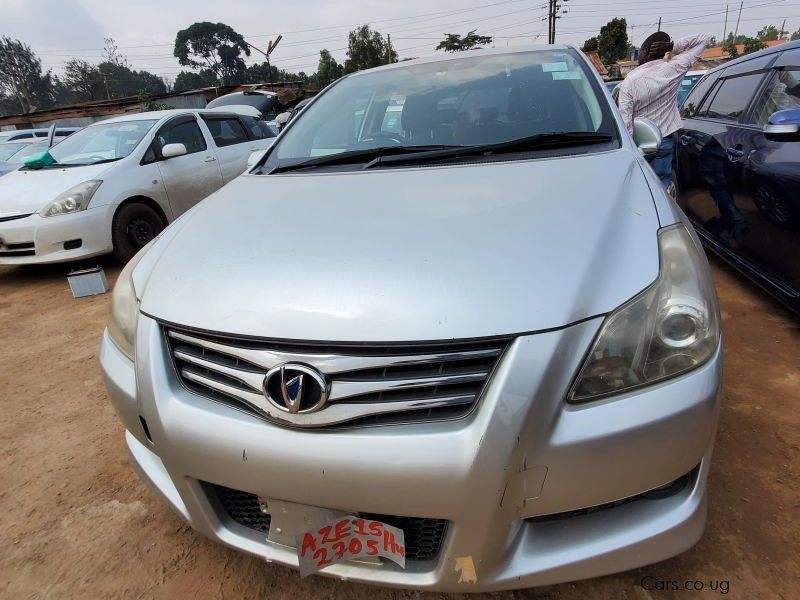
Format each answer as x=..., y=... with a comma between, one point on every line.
x=76, y=522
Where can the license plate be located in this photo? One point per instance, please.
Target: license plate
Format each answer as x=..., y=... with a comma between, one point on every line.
x=349, y=538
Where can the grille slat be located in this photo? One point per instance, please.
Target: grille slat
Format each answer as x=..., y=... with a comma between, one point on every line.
x=369, y=383
x=423, y=536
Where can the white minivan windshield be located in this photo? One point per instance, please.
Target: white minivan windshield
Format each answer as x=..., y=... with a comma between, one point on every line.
x=463, y=102
x=103, y=142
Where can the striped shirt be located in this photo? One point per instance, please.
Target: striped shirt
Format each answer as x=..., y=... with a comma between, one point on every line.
x=651, y=89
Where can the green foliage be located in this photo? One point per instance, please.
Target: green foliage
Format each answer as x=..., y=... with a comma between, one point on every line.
x=85, y=81
x=21, y=77
x=591, y=44
x=731, y=49
x=768, y=33
x=740, y=39
x=754, y=45
x=453, y=42
x=366, y=49
x=147, y=103
x=188, y=80
x=214, y=46
x=260, y=73
x=795, y=35
x=328, y=70
x=612, y=43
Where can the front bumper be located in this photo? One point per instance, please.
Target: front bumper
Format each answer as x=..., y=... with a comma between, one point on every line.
x=38, y=240
x=522, y=453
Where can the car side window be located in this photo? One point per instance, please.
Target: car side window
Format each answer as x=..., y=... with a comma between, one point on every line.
x=226, y=132
x=187, y=133
x=782, y=92
x=693, y=103
x=733, y=97
x=258, y=129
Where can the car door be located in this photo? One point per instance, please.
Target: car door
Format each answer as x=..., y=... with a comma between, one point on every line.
x=232, y=143
x=769, y=196
x=711, y=154
x=193, y=176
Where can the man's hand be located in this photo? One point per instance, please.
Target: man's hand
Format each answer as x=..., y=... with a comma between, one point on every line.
x=659, y=49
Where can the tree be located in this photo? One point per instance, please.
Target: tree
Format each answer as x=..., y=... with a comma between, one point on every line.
x=328, y=69
x=215, y=46
x=591, y=44
x=754, y=45
x=83, y=81
x=187, y=80
x=740, y=39
x=21, y=76
x=612, y=43
x=366, y=49
x=453, y=42
x=796, y=35
x=768, y=33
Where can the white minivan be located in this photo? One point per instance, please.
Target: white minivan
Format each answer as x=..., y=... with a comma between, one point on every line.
x=113, y=186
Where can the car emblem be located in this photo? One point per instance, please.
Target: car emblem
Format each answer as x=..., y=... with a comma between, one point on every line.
x=296, y=388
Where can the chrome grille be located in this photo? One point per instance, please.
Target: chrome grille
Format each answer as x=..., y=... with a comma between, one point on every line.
x=369, y=383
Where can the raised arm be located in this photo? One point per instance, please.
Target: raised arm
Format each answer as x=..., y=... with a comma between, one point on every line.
x=687, y=51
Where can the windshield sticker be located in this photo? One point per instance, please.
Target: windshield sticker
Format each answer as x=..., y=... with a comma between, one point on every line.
x=566, y=75
x=554, y=66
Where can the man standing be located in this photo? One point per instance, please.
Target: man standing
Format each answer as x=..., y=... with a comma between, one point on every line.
x=651, y=90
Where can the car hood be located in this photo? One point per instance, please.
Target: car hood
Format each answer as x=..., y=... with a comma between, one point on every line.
x=429, y=253
x=28, y=191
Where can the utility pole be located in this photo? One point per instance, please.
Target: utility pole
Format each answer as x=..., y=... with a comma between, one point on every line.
x=725, y=29
x=270, y=48
x=554, y=8
x=659, y=23
x=737, y=21
x=782, y=31
x=389, y=41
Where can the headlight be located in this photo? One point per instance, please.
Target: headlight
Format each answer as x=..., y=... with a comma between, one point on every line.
x=74, y=199
x=668, y=329
x=125, y=307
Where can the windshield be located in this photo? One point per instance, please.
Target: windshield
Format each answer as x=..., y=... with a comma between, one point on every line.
x=102, y=142
x=460, y=102
x=8, y=150
x=27, y=151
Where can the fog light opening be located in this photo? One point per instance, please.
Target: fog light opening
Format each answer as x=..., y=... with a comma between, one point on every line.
x=73, y=244
x=145, y=429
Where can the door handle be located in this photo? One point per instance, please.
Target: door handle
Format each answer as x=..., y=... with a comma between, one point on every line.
x=734, y=154
x=209, y=159
x=686, y=140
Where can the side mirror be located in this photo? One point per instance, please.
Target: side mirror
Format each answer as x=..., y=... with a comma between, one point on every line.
x=646, y=135
x=784, y=126
x=173, y=150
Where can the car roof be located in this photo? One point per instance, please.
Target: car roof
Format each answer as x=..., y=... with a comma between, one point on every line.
x=765, y=52
x=470, y=54
x=172, y=112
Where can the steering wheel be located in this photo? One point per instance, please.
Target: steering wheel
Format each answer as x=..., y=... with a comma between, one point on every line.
x=384, y=135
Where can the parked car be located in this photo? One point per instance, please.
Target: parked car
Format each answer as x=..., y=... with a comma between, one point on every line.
x=265, y=102
x=491, y=329
x=11, y=135
x=13, y=154
x=116, y=184
x=738, y=166
x=688, y=82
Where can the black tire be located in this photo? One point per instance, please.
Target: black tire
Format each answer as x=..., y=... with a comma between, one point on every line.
x=134, y=226
x=775, y=206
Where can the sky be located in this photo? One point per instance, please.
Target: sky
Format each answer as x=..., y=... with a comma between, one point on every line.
x=145, y=30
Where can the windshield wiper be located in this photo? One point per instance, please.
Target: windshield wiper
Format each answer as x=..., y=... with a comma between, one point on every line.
x=534, y=142
x=355, y=156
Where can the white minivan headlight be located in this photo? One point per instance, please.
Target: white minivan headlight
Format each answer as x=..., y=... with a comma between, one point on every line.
x=125, y=307
x=668, y=329
x=74, y=199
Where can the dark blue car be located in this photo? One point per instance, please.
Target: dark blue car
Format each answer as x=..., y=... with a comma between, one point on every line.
x=737, y=166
